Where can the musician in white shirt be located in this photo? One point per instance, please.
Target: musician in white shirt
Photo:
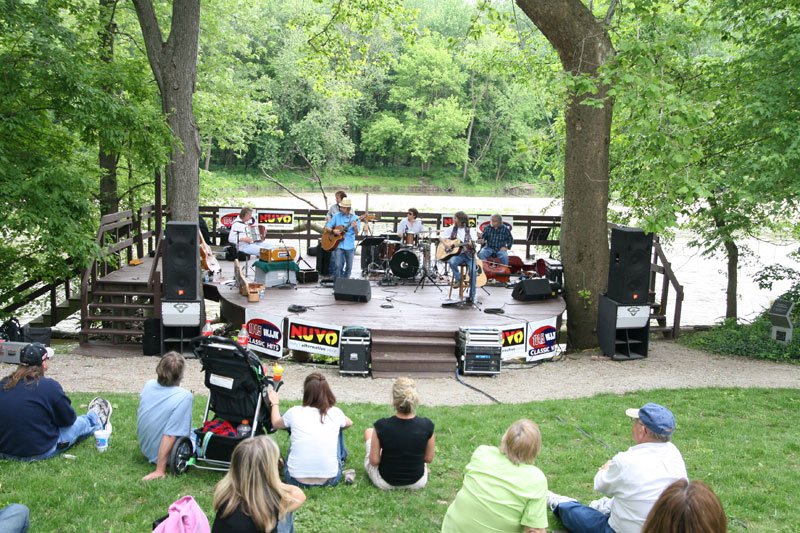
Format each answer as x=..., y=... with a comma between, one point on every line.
x=240, y=233
x=411, y=225
x=466, y=255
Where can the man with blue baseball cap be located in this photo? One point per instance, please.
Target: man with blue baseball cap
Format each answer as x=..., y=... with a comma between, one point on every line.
x=634, y=479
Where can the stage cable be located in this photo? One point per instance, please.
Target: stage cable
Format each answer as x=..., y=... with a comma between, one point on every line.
x=458, y=377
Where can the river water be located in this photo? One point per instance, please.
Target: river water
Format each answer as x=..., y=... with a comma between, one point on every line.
x=703, y=278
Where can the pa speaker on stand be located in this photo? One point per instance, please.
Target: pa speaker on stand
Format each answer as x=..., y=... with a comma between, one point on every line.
x=182, y=310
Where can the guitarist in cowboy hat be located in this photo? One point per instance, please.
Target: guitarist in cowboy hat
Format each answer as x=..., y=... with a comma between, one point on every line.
x=343, y=224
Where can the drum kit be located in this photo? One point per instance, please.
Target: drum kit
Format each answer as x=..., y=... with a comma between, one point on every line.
x=405, y=258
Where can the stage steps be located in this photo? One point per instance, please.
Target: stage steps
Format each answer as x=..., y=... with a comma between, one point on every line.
x=116, y=313
x=416, y=354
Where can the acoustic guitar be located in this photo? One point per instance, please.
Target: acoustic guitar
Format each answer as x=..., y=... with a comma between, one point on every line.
x=480, y=273
x=456, y=247
x=330, y=241
x=207, y=257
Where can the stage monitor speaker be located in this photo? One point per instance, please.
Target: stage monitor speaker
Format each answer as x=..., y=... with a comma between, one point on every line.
x=352, y=290
x=629, y=265
x=533, y=289
x=181, y=264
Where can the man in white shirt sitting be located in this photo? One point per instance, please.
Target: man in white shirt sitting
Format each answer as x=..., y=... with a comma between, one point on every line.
x=240, y=234
x=634, y=479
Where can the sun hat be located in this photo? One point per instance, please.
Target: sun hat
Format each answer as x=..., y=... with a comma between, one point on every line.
x=345, y=203
x=655, y=417
x=33, y=354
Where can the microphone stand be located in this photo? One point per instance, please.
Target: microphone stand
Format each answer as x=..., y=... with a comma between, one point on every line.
x=287, y=284
x=246, y=255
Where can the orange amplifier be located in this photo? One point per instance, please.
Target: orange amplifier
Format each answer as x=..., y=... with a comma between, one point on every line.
x=274, y=255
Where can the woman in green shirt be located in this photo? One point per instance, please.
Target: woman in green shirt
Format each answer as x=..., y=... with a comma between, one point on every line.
x=502, y=490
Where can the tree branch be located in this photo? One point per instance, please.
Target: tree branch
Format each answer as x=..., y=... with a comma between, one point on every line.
x=285, y=188
x=131, y=189
x=610, y=13
x=151, y=33
x=313, y=171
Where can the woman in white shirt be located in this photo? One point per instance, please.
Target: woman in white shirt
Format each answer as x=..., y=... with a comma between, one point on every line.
x=316, y=446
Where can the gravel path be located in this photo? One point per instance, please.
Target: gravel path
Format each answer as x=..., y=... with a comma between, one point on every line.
x=669, y=365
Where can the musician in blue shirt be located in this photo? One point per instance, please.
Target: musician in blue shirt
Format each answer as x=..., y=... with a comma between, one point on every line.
x=498, y=241
x=343, y=254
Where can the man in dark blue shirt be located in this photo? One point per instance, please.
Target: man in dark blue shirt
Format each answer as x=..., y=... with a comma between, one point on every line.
x=498, y=241
x=37, y=417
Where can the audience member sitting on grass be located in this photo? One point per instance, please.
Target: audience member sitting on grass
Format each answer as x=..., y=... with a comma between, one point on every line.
x=502, y=490
x=399, y=446
x=687, y=508
x=634, y=479
x=165, y=413
x=37, y=417
x=316, y=445
x=251, y=498
x=15, y=518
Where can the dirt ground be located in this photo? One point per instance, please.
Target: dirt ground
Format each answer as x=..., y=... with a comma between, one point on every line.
x=668, y=365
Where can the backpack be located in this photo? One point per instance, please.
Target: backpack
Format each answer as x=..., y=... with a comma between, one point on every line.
x=11, y=330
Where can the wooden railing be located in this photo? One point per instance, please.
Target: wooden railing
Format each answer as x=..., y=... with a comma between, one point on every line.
x=668, y=279
x=32, y=290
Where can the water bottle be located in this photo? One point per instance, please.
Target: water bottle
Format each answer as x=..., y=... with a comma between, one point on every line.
x=243, y=337
x=205, y=277
x=207, y=331
x=244, y=429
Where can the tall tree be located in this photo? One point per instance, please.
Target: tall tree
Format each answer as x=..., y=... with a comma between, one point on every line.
x=174, y=64
x=583, y=45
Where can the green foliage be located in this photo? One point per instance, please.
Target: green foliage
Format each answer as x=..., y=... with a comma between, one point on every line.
x=749, y=340
x=753, y=473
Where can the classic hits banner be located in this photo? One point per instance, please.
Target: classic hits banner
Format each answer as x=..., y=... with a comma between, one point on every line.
x=314, y=337
x=542, y=337
x=266, y=332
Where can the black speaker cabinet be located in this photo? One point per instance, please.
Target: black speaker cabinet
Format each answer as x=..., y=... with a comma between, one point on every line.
x=533, y=289
x=181, y=265
x=629, y=265
x=352, y=290
x=623, y=330
x=151, y=340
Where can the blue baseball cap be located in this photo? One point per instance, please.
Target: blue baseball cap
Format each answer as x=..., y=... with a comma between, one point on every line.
x=656, y=418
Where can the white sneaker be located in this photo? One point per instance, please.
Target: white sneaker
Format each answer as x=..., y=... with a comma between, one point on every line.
x=554, y=500
x=103, y=408
x=603, y=505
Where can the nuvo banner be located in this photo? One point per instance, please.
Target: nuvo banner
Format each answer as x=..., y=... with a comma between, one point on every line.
x=313, y=337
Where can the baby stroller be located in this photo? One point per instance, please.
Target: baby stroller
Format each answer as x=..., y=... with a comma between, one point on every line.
x=237, y=381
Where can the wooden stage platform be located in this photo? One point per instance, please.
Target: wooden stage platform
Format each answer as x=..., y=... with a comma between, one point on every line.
x=411, y=332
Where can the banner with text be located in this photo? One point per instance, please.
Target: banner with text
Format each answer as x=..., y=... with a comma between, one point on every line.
x=485, y=221
x=513, y=337
x=275, y=220
x=313, y=337
x=266, y=332
x=447, y=221
x=228, y=214
x=542, y=340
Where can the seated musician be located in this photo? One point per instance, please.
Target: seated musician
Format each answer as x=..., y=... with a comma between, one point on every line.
x=343, y=254
x=466, y=235
x=240, y=233
x=410, y=226
x=498, y=241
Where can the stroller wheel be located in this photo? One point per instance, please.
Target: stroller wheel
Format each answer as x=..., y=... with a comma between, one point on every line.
x=179, y=456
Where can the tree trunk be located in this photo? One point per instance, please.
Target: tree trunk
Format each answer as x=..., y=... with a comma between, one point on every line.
x=174, y=64
x=583, y=46
x=731, y=309
x=109, y=200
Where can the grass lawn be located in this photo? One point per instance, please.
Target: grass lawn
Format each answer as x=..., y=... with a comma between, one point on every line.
x=745, y=443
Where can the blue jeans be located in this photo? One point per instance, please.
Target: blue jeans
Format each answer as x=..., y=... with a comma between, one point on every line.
x=286, y=524
x=84, y=426
x=342, y=455
x=486, y=253
x=579, y=518
x=467, y=260
x=343, y=262
x=14, y=518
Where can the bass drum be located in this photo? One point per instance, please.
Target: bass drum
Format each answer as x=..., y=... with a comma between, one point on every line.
x=405, y=263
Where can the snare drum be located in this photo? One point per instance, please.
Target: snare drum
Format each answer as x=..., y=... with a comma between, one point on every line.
x=410, y=239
